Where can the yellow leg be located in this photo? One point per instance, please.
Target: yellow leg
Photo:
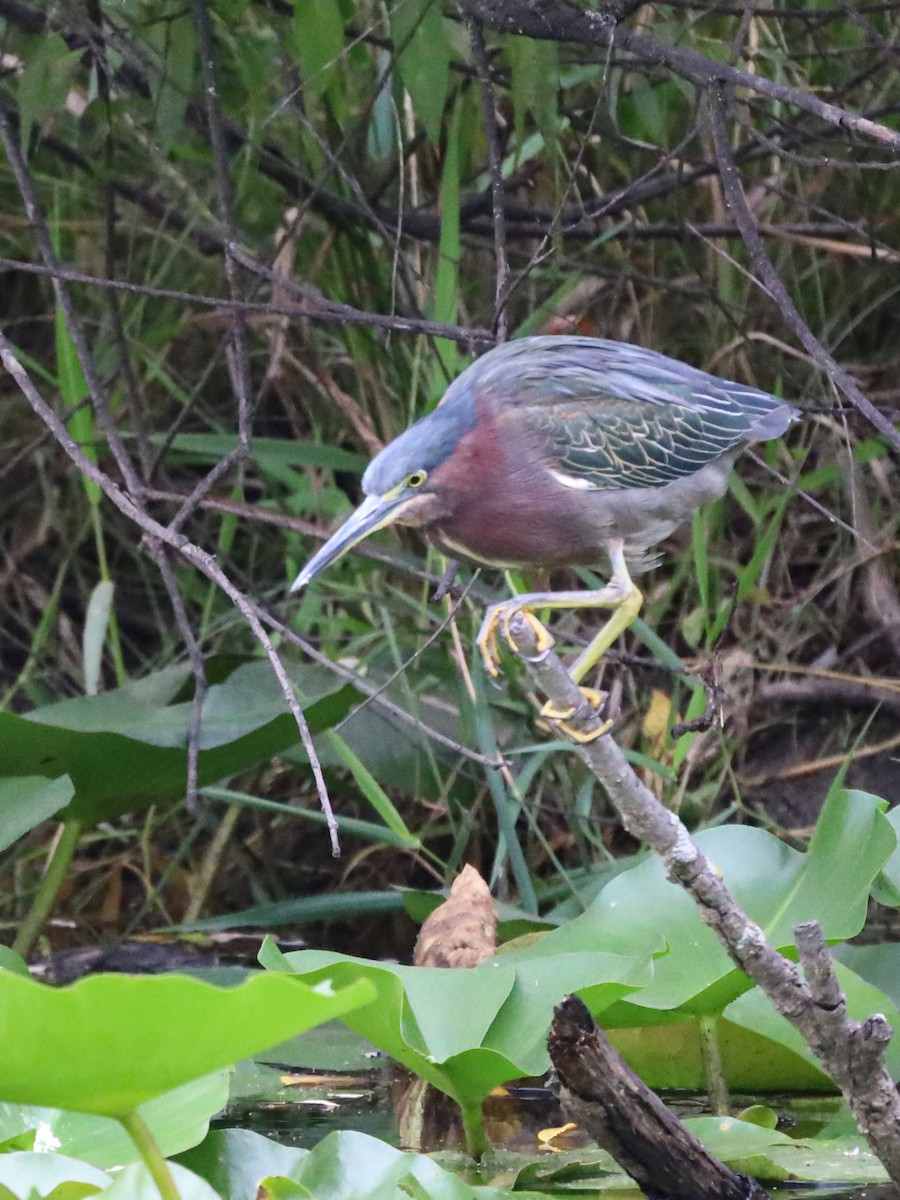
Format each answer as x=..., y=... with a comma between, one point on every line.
x=620, y=594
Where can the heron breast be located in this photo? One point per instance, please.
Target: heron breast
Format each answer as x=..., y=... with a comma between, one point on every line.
x=503, y=506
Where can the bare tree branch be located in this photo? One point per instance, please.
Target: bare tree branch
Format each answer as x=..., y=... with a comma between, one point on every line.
x=852, y=1054
x=560, y=21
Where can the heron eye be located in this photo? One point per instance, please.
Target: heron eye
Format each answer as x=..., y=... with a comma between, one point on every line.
x=417, y=479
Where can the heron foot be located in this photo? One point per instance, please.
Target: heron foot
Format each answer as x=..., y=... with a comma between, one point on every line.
x=498, y=617
x=560, y=717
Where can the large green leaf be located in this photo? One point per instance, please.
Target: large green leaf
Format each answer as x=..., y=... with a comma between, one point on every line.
x=671, y=1056
x=466, y=1031
x=417, y=27
x=112, y=1042
x=753, y=1012
x=319, y=35
x=777, y=886
x=25, y=801
x=126, y=749
x=535, y=85
x=178, y=1120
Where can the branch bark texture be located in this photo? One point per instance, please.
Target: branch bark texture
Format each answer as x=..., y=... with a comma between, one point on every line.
x=602, y=1093
x=559, y=21
x=851, y=1052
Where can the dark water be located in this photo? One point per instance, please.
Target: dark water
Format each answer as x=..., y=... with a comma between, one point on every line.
x=329, y=1079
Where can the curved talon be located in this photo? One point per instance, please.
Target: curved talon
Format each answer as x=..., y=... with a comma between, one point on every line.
x=487, y=640
x=560, y=716
x=498, y=616
x=544, y=639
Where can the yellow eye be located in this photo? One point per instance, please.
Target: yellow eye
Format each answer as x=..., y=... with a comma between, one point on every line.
x=417, y=479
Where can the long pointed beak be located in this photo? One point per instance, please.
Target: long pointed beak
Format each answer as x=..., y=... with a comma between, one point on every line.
x=374, y=513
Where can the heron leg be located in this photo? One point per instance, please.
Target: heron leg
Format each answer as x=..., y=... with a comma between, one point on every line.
x=623, y=596
x=620, y=594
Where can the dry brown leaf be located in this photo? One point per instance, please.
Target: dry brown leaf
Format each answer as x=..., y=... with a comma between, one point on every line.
x=462, y=931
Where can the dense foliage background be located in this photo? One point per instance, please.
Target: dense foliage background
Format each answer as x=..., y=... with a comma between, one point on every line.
x=299, y=221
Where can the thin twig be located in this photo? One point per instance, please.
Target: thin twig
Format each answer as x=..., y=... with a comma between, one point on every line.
x=198, y=558
x=312, y=306
x=769, y=277
x=495, y=167
x=373, y=691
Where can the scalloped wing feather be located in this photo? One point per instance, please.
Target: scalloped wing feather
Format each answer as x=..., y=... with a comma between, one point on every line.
x=609, y=415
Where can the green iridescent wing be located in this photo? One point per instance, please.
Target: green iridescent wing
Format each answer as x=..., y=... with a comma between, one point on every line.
x=609, y=415
x=609, y=443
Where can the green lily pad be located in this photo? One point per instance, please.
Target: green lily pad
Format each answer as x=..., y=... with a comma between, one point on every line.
x=236, y=1161
x=127, y=749
x=111, y=1042
x=343, y=1166
x=764, y=1153
x=177, y=1120
x=353, y=1166
x=777, y=886
x=769, y=1155
x=466, y=1031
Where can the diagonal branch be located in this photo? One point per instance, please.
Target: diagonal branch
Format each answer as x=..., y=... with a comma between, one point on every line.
x=560, y=21
x=851, y=1053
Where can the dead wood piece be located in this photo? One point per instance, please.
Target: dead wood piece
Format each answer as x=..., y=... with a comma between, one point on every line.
x=601, y=1092
x=461, y=932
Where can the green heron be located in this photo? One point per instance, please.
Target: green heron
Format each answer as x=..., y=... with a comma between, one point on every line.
x=550, y=451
